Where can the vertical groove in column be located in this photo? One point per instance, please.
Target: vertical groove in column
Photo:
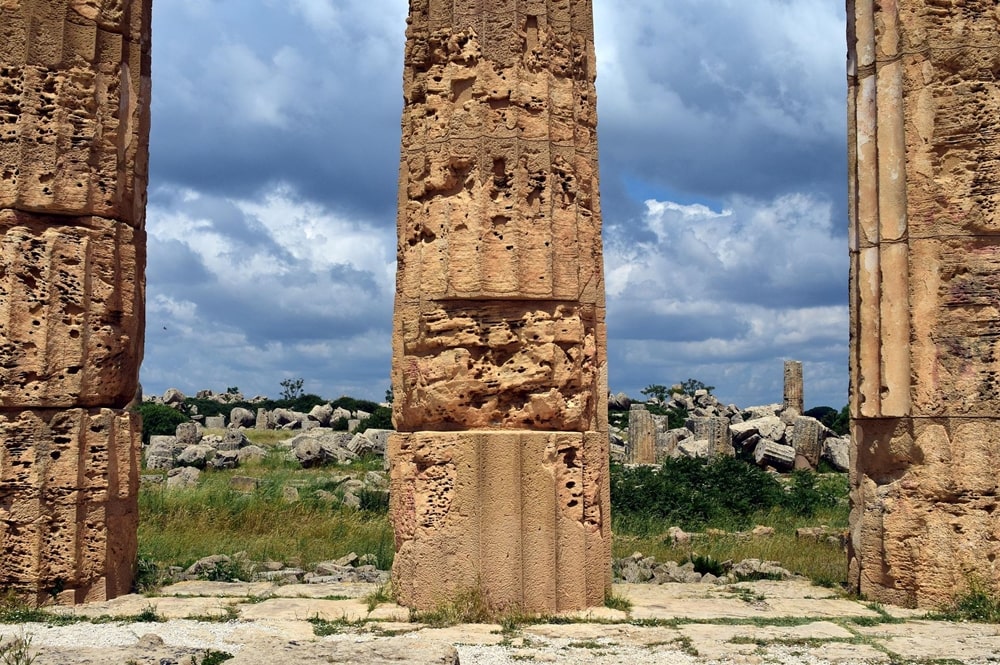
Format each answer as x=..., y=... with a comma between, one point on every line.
x=892, y=202
x=868, y=341
x=852, y=203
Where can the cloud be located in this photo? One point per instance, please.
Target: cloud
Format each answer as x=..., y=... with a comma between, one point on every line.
x=274, y=163
x=276, y=282
x=691, y=289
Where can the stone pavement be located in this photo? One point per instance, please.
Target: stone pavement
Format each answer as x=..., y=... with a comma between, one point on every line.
x=750, y=622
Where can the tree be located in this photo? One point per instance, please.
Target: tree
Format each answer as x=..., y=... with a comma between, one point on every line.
x=657, y=392
x=291, y=388
x=691, y=386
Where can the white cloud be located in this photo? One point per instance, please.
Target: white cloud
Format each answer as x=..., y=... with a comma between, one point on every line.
x=745, y=286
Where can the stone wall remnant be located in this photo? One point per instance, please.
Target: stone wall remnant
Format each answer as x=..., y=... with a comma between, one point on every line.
x=924, y=116
x=500, y=466
x=74, y=125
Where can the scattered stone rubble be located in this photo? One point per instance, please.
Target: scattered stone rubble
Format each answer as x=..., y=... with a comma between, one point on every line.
x=639, y=569
x=350, y=568
x=191, y=448
x=321, y=415
x=773, y=435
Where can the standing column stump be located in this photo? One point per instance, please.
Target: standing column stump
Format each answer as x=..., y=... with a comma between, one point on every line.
x=74, y=128
x=500, y=464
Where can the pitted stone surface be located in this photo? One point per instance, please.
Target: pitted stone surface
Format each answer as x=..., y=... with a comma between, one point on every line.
x=74, y=128
x=74, y=107
x=499, y=361
x=923, y=108
x=71, y=319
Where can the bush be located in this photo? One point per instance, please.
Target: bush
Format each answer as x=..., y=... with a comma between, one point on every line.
x=159, y=419
x=381, y=418
x=724, y=492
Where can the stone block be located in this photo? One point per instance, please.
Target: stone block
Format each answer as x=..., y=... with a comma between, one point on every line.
x=74, y=108
x=523, y=516
x=68, y=502
x=641, y=436
x=71, y=311
x=807, y=439
x=497, y=365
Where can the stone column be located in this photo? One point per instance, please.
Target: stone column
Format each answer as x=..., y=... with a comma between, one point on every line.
x=716, y=431
x=794, y=399
x=641, y=435
x=924, y=115
x=500, y=467
x=74, y=125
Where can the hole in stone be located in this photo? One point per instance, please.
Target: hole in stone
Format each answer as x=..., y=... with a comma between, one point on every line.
x=55, y=454
x=530, y=33
x=573, y=504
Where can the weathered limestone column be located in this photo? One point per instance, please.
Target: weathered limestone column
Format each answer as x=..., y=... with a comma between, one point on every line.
x=74, y=124
x=794, y=398
x=924, y=110
x=641, y=435
x=716, y=431
x=500, y=467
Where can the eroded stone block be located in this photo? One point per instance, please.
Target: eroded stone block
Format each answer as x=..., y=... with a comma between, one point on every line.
x=69, y=486
x=521, y=516
x=74, y=107
x=512, y=364
x=71, y=311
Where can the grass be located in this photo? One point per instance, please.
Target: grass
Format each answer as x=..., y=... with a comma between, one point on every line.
x=179, y=526
x=17, y=651
x=693, y=495
x=617, y=601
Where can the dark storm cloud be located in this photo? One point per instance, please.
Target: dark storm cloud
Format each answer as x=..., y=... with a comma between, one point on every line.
x=248, y=99
x=711, y=98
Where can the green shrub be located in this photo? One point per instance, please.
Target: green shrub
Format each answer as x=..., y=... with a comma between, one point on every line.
x=159, y=419
x=725, y=492
x=381, y=418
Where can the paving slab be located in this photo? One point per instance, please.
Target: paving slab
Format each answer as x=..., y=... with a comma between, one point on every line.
x=165, y=607
x=922, y=639
x=227, y=589
x=754, y=623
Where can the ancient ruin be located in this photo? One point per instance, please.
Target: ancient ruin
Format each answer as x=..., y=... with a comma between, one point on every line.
x=74, y=124
x=925, y=163
x=794, y=395
x=500, y=468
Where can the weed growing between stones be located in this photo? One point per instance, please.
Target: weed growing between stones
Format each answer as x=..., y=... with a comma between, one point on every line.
x=17, y=651
x=213, y=657
x=617, y=601
x=383, y=594
x=979, y=604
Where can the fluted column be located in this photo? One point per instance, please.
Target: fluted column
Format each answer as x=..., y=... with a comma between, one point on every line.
x=924, y=117
x=74, y=125
x=794, y=396
x=499, y=469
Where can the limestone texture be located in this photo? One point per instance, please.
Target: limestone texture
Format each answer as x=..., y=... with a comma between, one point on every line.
x=924, y=96
x=499, y=362
x=74, y=126
x=794, y=397
x=642, y=436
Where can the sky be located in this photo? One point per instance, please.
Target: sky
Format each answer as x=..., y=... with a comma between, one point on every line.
x=274, y=158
